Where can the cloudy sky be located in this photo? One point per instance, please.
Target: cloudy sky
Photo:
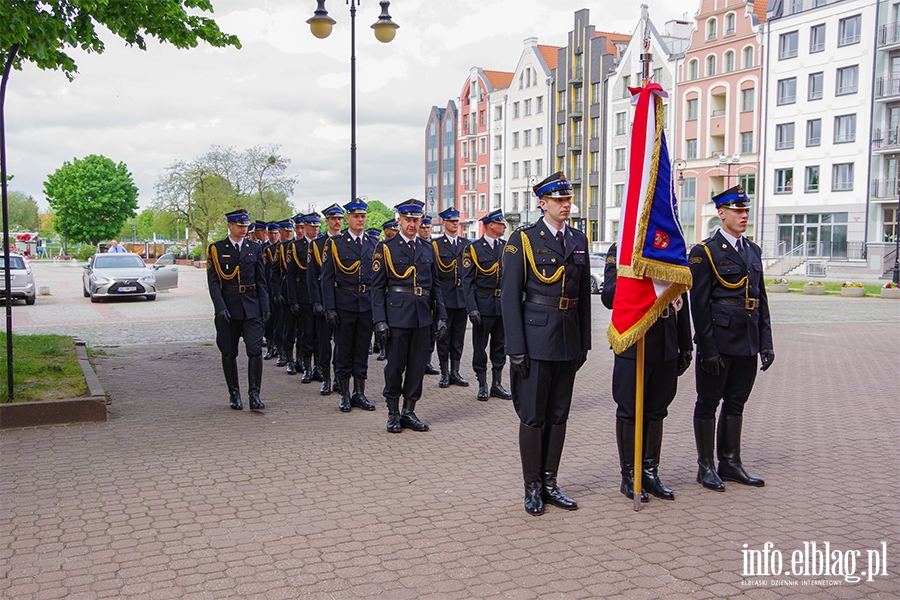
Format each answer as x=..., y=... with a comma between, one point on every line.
x=149, y=109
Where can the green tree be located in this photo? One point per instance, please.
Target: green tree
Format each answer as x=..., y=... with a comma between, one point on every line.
x=378, y=214
x=23, y=212
x=92, y=198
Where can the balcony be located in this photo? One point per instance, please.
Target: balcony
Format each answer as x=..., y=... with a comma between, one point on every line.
x=717, y=113
x=575, y=77
x=575, y=141
x=886, y=139
x=577, y=107
x=576, y=175
x=885, y=189
x=887, y=87
x=889, y=35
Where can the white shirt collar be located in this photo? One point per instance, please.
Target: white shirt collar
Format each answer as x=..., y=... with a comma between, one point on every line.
x=731, y=239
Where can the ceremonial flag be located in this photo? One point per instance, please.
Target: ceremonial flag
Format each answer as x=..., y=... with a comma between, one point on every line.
x=652, y=257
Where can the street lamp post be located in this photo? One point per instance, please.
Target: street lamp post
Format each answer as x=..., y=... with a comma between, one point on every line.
x=431, y=203
x=897, y=245
x=320, y=24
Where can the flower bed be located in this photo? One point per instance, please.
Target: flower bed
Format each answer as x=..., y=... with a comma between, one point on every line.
x=814, y=288
x=779, y=285
x=890, y=290
x=850, y=289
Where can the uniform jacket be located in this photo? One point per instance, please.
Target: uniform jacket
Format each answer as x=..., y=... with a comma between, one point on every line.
x=314, y=268
x=481, y=273
x=274, y=266
x=450, y=269
x=227, y=270
x=345, y=265
x=725, y=328
x=296, y=255
x=395, y=264
x=667, y=335
x=546, y=332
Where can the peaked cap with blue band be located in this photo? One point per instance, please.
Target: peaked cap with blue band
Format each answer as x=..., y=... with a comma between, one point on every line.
x=373, y=231
x=272, y=226
x=733, y=197
x=251, y=228
x=312, y=219
x=238, y=217
x=411, y=208
x=449, y=214
x=426, y=222
x=260, y=224
x=335, y=210
x=393, y=224
x=356, y=207
x=493, y=217
x=286, y=224
x=555, y=186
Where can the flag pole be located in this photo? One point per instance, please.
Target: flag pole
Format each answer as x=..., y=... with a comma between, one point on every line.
x=646, y=58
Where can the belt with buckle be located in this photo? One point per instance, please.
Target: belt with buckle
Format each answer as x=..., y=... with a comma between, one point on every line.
x=361, y=288
x=667, y=312
x=746, y=303
x=495, y=292
x=562, y=303
x=240, y=289
x=404, y=289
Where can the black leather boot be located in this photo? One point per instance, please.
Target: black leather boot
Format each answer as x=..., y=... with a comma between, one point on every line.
x=359, y=394
x=652, y=445
x=325, y=390
x=625, y=444
x=530, y=449
x=408, y=418
x=282, y=359
x=455, y=377
x=290, y=368
x=483, y=394
x=307, y=370
x=393, y=420
x=728, y=447
x=317, y=374
x=497, y=389
x=382, y=354
x=229, y=366
x=444, y=381
x=705, y=436
x=345, y=405
x=254, y=377
x=271, y=352
x=554, y=438
x=429, y=368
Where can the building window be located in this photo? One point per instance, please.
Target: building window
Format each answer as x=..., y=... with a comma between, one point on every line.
x=464, y=177
x=539, y=136
x=784, y=136
x=496, y=201
x=693, y=70
x=526, y=169
x=527, y=141
x=842, y=177
x=748, y=57
x=594, y=162
x=796, y=6
x=816, y=86
x=515, y=202
x=528, y=108
x=515, y=170
x=729, y=24
x=482, y=174
x=848, y=30
x=465, y=150
x=539, y=167
x=692, y=109
x=844, y=129
x=817, y=38
x=498, y=113
x=595, y=128
x=618, y=194
x=539, y=104
x=748, y=100
x=813, y=132
x=784, y=181
x=482, y=117
x=515, y=141
x=710, y=65
x=626, y=81
x=621, y=118
x=812, y=180
x=515, y=110
x=498, y=142
x=847, y=80
x=482, y=146
x=729, y=62
x=747, y=142
x=711, y=29
x=620, y=159
x=561, y=100
x=593, y=197
x=787, y=91
x=498, y=171
x=481, y=202
x=787, y=45
x=692, y=149
x=595, y=93
x=748, y=182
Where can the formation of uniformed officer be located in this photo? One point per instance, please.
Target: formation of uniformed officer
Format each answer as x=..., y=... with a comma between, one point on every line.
x=546, y=309
x=481, y=274
x=732, y=326
x=406, y=299
x=334, y=219
x=298, y=317
x=449, y=249
x=347, y=300
x=260, y=233
x=237, y=286
x=270, y=259
x=388, y=229
x=425, y=235
x=667, y=354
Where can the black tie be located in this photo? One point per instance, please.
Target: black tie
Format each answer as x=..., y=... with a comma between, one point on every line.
x=359, y=243
x=412, y=245
x=742, y=248
x=562, y=242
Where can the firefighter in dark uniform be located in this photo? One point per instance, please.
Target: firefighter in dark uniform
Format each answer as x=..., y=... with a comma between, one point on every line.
x=732, y=326
x=269, y=251
x=425, y=236
x=276, y=289
x=298, y=317
x=481, y=275
x=449, y=249
x=668, y=352
x=334, y=219
x=546, y=308
x=388, y=229
x=236, y=278
x=347, y=299
x=406, y=300
x=260, y=233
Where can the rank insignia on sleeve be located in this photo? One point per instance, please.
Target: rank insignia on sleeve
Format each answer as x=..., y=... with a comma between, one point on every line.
x=510, y=248
x=696, y=260
x=376, y=265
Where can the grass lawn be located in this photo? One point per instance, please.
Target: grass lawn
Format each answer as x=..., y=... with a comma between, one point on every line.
x=45, y=367
x=830, y=288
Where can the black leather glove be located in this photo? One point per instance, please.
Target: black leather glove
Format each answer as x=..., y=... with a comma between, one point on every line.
x=318, y=309
x=767, y=357
x=382, y=332
x=224, y=316
x=279, y=299
x=265, y=317
x=582, y=360
x=684, y=361
x=441, y=329
x=295, y=308
x=475, y=317
x=521, y=364
x=332, y=318
x=712, y=365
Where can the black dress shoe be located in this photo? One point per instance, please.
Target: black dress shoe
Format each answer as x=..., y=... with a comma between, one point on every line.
x=291, y=368
x=381, y=355
x=236, y=403
x=534, y=502
x=255, y=403
x=430, y=370
x=317, y=374
x=282, y=360
x=360, y=401
x=325, y=390
x=393, y=423
x=498, y=391
x=409, y=420
x=456, y=379
x=270, y=353
x=345, y=405
x=444, y=381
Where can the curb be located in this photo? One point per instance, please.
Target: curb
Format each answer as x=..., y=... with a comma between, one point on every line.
x=87, y=409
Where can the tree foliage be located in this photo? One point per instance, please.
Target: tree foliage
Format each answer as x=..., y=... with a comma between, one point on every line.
x=23, y=212
x=92, y=198
x=378, y=214
x=46, y=31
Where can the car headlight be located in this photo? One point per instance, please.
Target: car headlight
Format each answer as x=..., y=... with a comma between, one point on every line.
x=101, y=279
x=148, y=278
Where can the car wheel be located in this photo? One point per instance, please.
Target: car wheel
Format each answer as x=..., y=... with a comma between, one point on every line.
x=30, y=301
x=594, y=288
x=86, y=293
x=151, y=296
x=94, y=298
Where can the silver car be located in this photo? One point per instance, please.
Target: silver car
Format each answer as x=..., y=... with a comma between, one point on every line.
x=21, y=282
x=598, y=263
x=125, y=274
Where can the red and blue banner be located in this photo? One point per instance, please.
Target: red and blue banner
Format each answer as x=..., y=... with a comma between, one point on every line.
x=653, y=268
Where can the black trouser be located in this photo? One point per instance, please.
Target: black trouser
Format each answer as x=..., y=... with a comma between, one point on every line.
x=660, y=385
x=323, y=346
x=351, y=341
x=450, y=346
x=306, y=325
x=490, y=327
x=277, y=324
x=270, y=324
x=406, y=353
x=289, y=323
x=733, y=386
x=229, y=334
x=545, y=396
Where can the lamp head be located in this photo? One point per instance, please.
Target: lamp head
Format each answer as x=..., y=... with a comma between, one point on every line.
x=385, y=28
x=320, y=24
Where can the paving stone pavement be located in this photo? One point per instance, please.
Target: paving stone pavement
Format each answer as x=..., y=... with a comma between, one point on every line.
x=177, y=496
